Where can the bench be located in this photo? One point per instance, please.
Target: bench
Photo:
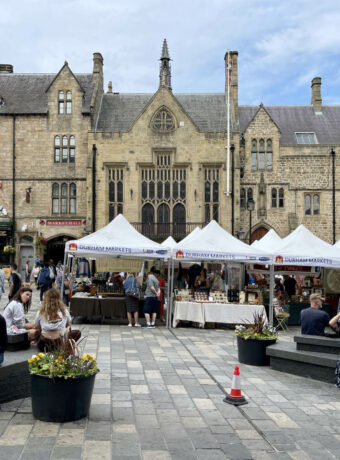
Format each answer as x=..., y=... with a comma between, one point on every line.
x=15, y=381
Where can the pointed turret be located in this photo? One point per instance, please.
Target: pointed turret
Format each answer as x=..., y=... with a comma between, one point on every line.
x=165, y=68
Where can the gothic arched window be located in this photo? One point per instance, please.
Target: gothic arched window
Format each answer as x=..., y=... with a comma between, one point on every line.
x=163, y=121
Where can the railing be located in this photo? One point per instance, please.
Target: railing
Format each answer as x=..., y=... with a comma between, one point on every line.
x=160, y=231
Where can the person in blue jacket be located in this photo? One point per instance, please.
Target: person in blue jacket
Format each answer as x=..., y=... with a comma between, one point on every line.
x=44, y=280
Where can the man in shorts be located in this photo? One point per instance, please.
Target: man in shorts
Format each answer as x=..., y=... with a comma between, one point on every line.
x=151, y=296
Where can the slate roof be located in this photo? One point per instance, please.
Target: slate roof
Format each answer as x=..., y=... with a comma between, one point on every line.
x=26, y=93
x=207, y=111
x=292, y=119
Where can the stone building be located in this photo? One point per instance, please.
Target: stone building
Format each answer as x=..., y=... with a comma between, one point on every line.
x=73, y=157
x=44, y=124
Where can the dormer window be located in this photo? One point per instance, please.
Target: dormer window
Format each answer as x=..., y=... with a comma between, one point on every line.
x=65, y=102
x=163, y=121
x=306, y=138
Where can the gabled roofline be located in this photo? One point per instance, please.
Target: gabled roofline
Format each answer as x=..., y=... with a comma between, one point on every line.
x=57, y=75
x=152, y=99
x=261, y=106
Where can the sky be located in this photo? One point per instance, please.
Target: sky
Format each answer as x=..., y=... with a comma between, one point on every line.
x=282, y=44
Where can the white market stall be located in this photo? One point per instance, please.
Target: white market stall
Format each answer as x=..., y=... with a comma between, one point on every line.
x=118, y=239
x=214, y=244
x=301, y=248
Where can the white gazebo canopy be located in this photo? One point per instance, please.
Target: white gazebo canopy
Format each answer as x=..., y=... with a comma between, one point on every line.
x=169, y=243
x=302, y=247
x=268, y=242
x=215, y=243
x=117, y=239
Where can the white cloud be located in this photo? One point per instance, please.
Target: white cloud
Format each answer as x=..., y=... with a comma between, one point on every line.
x=281, y=45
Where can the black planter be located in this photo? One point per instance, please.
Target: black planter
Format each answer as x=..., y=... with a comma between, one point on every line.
x=253, y=352
x=61, y=400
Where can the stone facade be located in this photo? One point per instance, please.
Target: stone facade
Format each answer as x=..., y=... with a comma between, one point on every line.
x=166, y=138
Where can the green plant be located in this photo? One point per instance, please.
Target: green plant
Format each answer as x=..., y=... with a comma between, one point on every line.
x=259, y=330
x=63, y=364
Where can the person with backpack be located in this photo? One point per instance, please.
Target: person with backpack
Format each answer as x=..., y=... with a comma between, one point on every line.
x=14, y=282
x=44, y=281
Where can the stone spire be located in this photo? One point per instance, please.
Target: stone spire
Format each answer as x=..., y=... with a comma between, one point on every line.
x=165, y=68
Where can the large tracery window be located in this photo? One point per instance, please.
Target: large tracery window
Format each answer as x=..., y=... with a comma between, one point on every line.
x=163, y=121
x=116, y=176
x=163, y=193
x=211, y=194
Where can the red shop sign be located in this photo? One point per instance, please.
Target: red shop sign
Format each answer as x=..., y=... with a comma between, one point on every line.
x=63, y=223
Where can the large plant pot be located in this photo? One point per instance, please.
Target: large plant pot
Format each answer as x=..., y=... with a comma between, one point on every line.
x=61, y=400
x=253, y=352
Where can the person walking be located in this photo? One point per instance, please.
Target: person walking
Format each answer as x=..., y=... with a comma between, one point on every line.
x=35, y=272
x=44, y=280
x=2, y=282
x=28, y=271
x=131, y=298
x=152, y=293
x=14, y=282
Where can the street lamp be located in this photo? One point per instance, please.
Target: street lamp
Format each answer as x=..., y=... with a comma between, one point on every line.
x=250, y=208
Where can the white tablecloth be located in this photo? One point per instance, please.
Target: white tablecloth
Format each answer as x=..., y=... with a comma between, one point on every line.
x=216, y=313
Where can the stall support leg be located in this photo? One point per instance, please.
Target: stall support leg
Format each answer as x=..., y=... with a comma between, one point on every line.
x=171, y=291
x=63, y=277
x=168, y=319
x=271, y=295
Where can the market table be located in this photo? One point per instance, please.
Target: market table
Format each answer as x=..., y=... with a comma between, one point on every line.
x=85, y=306
x=209, y=312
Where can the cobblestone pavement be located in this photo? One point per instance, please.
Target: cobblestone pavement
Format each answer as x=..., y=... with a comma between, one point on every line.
x=159, y=396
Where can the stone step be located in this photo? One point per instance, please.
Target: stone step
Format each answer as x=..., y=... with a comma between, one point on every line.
x=316, y=343
x=285, y=357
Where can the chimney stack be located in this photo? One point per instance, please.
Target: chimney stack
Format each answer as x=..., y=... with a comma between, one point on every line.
x=98, y=62
x=109, y=87
x=6, y=68
x=316, y=94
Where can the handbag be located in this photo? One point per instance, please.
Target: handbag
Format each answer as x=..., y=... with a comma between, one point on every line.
x=134, y=291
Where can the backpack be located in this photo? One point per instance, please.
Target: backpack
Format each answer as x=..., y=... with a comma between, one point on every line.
x=337, y=374
x=51, y=273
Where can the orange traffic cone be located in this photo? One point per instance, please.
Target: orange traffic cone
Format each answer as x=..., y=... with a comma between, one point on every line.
x=235, y=397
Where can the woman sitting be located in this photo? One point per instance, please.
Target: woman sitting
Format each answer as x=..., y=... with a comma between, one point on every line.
x=54, y=321
x=15, y=310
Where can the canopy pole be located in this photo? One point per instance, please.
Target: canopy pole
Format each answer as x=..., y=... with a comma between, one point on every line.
x=63, y=277
x=271, y=294
x=168, y=297
x=171, y=291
